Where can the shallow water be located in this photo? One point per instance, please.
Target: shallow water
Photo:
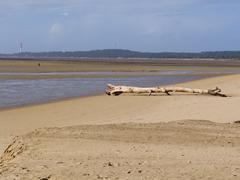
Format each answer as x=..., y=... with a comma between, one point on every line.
x=23, y=92
x=162, y=72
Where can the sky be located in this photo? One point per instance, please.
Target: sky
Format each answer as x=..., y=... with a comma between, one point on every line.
x=142, y=25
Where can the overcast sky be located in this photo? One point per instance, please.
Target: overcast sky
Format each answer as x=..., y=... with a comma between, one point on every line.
x=144, y=25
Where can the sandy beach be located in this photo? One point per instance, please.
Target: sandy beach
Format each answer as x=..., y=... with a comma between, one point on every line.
x=182, y=136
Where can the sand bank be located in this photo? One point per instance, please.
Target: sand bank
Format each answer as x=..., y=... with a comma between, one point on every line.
x=201, y=149
x=105, y=109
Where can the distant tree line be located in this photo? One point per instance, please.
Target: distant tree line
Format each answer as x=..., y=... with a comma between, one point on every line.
x=119, y=53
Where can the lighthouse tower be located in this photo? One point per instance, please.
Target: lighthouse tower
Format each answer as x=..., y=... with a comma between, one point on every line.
x=20, y=47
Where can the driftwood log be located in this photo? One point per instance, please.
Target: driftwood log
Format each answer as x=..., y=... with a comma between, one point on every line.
x=117, y=90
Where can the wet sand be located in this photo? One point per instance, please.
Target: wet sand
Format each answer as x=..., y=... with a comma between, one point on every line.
x=116, y=65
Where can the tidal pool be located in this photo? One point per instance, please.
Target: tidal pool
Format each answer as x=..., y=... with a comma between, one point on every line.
x=22, y=92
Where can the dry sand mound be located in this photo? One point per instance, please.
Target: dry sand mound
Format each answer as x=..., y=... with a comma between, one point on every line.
x=174, y=150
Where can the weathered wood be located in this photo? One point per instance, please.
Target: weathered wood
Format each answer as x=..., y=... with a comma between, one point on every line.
x=117, y=90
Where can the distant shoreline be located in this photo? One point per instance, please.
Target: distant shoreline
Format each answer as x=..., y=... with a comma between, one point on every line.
x=113, y=65
x=125, y=53
x=157, y=61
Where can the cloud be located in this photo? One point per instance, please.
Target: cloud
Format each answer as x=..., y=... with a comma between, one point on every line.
x=64, y=14
x=97, y=6
x=56, y=29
